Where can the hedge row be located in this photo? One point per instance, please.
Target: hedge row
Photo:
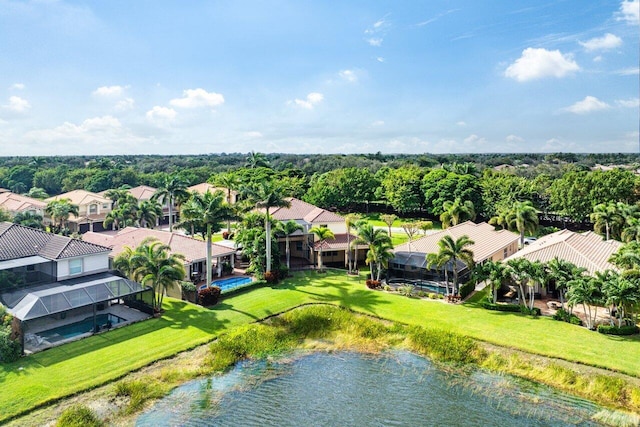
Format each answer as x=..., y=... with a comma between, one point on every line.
x=614, y=330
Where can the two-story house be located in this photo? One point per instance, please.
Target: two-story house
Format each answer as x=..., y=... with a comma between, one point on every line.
x=17, y=203
x=92, y=208
x=59, y=288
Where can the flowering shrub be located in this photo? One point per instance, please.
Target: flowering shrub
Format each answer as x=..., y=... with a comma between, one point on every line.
x=209, y=296
x=271, y=277
x=373, y=284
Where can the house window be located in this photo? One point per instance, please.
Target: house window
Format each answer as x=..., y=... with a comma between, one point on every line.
x=93, y=209
x=298, y=246
x=504, y=253
x=75, y=266
x=105, y=206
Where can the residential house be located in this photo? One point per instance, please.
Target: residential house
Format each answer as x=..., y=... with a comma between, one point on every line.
x=92, y=207
x=489, y=244
x=49, y=282
x=17, y=203
x=205, y=186
x=193, y=250
x=586, y=250
x=143, y=193
x=303, y=245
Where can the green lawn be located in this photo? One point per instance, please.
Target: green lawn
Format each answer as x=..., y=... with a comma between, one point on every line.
x=78, y=366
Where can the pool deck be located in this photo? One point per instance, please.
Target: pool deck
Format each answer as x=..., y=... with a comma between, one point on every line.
x=34, y=343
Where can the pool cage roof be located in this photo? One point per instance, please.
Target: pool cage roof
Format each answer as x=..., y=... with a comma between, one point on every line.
x=44, y=300
x=418, y=260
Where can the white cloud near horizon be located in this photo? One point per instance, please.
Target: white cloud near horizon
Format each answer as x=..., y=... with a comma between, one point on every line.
x=630, y=12
x=474, y=139
x=628, y=72
x=588, y=105
x=313, y=99
x=160, y=115
x=537, y=63
x=606, y=42
x=17, y=104
x=109, y=91
x=348, y=75
x=514, y=139
x=195, y=98
x=72, y=131
x=629, y=103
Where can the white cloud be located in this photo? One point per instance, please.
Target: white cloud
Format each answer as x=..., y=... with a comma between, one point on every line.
x=606, y=42
x=348, y=75
x=461, y=123
x=313, y=99
x=375, y=41
x=17, y=86
x=514, y=139
x=67, y=131
x=630, y=11
x=539, y=63
x=17, y=104
x=597, y=58
x=109, y=91
x=125, y=104
x=474, y=139
x=161, y=114
x=377, y=123
x=380, y=59
x=253, y=134
x=629, y=72
x=195, y=98
x=629, y=103
x=588, y=105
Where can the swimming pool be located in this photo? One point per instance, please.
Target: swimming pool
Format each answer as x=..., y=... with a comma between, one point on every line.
x=232, y=283
x=78, y=328
x=423, y=285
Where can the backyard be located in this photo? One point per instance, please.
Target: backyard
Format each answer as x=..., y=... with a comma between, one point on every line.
x=51, y=375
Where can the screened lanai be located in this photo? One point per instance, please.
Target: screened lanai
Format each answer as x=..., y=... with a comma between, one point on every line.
x=47, y=310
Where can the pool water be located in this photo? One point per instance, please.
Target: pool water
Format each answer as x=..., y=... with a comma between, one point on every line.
x=422, y=285
x=78, y=328
x=231, y=283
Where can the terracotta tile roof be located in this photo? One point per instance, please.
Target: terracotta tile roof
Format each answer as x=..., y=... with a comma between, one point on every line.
x=17, y=203
x=487, y=240
x=586, y=250
x=142, y=192
x=81, y=197
x=192, y=249
x=17, y=241
x=300, y=210
x=339, y=243
x=205, y=186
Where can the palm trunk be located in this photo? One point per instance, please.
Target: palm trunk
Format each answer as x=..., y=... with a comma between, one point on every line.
x=320, y=260
x=288, y=252
x=170, y=214
x=209, y=266
x=348, y=251
x=267, y=226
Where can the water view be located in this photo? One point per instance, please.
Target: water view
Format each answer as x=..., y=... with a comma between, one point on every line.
x=392, y=389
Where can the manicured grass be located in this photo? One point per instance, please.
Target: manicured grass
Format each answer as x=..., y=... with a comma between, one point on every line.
x=85, y=364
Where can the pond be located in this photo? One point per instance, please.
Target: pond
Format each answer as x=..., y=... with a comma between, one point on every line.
x=396, y=388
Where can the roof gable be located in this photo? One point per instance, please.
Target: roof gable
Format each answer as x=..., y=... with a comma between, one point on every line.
x=81, y=197
x=300, y=210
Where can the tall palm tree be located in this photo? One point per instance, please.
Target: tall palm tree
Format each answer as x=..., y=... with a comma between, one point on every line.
x=266, y=195
x=454, y=251
x=622, y=293
x=495, y=273
x=172, y=190
x=607, y=217
x=457, y=212
x=287, y=229
x=256, y=160
x=562, y=272
x=627, y=257
x=374, y=238
x=323, y=234
x=378, y=257
x=586, y=292
x=349, y=221
x=148, y=213
x=230, y=182
x=522, y=217
x=60, y=210
x=156, y=266
x=439, y=261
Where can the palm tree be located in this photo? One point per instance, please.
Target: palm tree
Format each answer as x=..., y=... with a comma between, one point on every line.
x=374, y=238
x=520, y=273
x=627, y=257
x=606, y=217
x=4, y=215
x=585, y=291
x=500, y=219
x=288, y=228
x=148, y=213
x=123, y=262
x=562, y=272
x=349, y=221
x=155, y=265
x=496, y=273
x=60, y=210
x=457, y=212
x=172, y=190
x=256, y=160
x=631, y=232
x=439, y=261
x=230, y=181
x=623, y=294
x=37, y=193
x=29, y=219
x=454, y=251
x=323, y=234
x=378, y=257
x=266, y=195
x=522, y=217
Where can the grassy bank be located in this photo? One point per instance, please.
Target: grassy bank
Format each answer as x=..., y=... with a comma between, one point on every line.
x=54, y=374
x=330, y=327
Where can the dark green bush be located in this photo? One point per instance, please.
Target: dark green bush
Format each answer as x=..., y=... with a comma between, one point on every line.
x=512, y=308
x=614, y=330
x=209, y=296
x=535, y=311
x=467, y=289
x=79, y=416
x=564, y=316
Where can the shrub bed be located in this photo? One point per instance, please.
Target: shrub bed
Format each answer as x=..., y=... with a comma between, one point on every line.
x=79, y=416
x=373, y=284
x=564, y=316
x=512, y=308
x=467, y=289
x=209, y=296
x=614, y=330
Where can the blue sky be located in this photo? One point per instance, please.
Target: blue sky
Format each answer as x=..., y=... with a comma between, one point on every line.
x=437, y=76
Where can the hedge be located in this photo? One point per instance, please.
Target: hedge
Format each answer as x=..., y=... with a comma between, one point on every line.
x=614, y=330
x=467, y=289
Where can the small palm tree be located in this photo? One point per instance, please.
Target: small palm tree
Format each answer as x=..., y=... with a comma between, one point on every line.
x=349, y=221
x=454, y=251
x=374, y=238
x=495, y=273
x=606, y=217
x=522, y=217
x=457, y=212
x=60, y=210
x=440, y=262
x=172, y=190
x=148, y=213
x=586, y=292
x=323, y=234
x=562, y=272
x=230, y=182
x=287, y=229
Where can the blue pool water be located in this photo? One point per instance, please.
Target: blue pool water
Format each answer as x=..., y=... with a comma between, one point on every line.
x=422, y=285
x=82, y=327
x=231, y=283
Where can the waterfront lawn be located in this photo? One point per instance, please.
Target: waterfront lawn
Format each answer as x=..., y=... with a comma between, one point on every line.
x=71, y=368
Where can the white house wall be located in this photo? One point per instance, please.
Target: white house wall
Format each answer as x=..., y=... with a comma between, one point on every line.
x=90, y=264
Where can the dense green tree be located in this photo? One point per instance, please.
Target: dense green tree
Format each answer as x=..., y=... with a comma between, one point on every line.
x=37, y=193
x=342, y=189
x=501, y=189
x=401, y=188
x=439, y=186
x=29, y=219
x=50, y=180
